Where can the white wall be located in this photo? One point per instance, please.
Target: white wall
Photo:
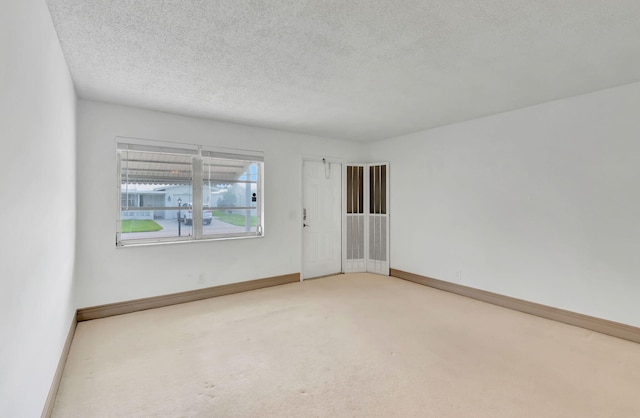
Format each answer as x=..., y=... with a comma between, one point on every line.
x=541, y=203
x=37, y=218
x=108, y=274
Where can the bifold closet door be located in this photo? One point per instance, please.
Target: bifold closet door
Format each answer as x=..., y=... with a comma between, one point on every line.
x=367, y=218
x=378, y=220
x=355, y=259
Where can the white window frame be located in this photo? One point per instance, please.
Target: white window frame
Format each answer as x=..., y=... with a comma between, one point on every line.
x=197, y=152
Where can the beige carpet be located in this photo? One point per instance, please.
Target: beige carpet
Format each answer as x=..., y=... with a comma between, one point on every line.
x=352, y=345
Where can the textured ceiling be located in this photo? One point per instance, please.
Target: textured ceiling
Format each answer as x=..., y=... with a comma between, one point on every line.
x=357, y=69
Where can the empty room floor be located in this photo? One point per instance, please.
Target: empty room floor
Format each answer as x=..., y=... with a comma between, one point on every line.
x=347, y=345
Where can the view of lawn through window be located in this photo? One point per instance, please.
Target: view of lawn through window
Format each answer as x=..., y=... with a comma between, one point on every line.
x=140, y=225
x=161, y=184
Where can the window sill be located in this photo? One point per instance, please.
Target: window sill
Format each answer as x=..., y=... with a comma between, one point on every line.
x=127, y=244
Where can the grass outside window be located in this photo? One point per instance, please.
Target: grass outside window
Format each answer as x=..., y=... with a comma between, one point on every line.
x=233, y=218
x=139, y=225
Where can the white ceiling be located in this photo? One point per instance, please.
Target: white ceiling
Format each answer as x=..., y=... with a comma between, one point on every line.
x=354, y=69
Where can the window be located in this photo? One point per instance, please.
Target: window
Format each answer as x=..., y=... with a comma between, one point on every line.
x=161, y=184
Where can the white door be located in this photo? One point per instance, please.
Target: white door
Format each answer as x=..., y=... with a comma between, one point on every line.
x=355, y=259
x=378, y=219
x=322, y=219
x=367, y=218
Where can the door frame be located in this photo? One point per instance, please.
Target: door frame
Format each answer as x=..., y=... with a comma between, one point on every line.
x=318, y=159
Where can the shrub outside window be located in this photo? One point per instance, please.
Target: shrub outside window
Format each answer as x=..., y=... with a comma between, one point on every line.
x=161, y=184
